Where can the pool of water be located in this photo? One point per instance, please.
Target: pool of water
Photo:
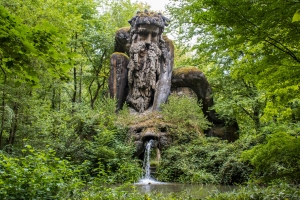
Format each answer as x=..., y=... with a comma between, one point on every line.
x=149, y=185
x=192, y=190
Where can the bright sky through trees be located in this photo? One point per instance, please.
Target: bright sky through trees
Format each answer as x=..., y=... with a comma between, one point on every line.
x=156, y=5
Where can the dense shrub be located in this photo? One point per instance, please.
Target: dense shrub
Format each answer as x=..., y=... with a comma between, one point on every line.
x=274, y=191
x=113, y=160
x=80, y=134
x=205, y=160
x=277, y=158
x=250, y=192
x=186, y=113
x=37, y=175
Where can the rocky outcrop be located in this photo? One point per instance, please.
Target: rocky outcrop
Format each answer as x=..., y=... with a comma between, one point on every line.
x=150, y=65
x=224, y=131
x=121, y=40
x=194, y=79
x=187, y=79
x=163, y=86
x=149, y=125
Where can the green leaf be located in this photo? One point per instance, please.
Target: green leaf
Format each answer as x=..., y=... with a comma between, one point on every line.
x=296, y=16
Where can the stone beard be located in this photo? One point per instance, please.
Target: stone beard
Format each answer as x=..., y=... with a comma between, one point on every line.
x=144, y=68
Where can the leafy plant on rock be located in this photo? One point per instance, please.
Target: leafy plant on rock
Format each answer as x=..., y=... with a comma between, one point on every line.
x=186, y=115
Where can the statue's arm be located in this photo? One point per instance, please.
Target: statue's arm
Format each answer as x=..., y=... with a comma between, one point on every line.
x=163, y=86
x=118, y=79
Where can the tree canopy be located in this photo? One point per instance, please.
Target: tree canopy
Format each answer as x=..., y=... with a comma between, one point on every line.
x=250, y=41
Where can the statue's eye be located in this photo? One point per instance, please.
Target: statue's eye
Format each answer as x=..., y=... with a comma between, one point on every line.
x=154, y=34
x=143, y=33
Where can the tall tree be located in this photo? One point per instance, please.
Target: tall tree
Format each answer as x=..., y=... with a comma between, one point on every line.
x=54, y=54
x=26, y=54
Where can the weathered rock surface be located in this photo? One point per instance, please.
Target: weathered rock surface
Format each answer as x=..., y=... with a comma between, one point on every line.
x=194, y=79
x=226, y=132
x=185, y=79
x=149, y=126
x=122, y=40
x=118, y=81
x=150, y=61
x=163, y=86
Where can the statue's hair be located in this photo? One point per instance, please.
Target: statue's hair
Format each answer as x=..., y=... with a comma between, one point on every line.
x=149, y=18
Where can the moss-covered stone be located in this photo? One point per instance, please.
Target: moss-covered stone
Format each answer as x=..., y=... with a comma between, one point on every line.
x=186, y=70
x=194, y=78
x=119, y=54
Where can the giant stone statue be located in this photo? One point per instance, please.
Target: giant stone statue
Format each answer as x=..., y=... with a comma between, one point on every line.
x=141, y=75
x=146, y=80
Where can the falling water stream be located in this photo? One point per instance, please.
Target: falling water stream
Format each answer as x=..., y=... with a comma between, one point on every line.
x=147, y=160
x=147, y=179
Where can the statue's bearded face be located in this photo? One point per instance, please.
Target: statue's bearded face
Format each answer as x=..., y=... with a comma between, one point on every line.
x=144, y=67
x=147, y=33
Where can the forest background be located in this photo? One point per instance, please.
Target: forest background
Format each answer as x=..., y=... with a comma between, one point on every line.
x=59, y=133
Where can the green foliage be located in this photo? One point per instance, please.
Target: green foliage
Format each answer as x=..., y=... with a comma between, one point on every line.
x=124, y=116
x=274, y=191
x=205, y=160
x=37, y=174
x=249, y=43
x=80, y=133
x=129, y=192
x=111, y=159
x=296, y=16
x=186, y=114
x=251, y=56
x=277, y=158
x=249, y=50
x=22, y=44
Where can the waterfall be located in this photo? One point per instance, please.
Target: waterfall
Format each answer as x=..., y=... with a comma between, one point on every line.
x=147, y=159
x=147, y=179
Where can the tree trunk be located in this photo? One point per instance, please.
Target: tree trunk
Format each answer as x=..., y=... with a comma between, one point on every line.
x=53, y=99
x=80, y=86
x=75, y=85
x=13, y=129
x=256, y=116
x=93, y=99
x=2, y=108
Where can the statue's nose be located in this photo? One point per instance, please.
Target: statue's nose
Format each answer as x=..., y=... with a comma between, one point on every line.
x=148, y=39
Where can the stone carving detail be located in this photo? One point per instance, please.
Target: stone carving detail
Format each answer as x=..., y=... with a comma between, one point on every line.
x=148, y=57
x=150, y=60
x=118, y=78
x=142, y=132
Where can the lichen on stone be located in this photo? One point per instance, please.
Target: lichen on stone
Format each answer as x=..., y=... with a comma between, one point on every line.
x=119, y=53
x=186, y=70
